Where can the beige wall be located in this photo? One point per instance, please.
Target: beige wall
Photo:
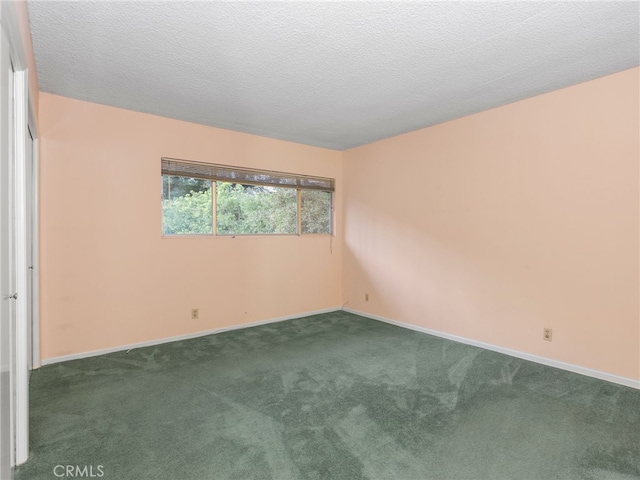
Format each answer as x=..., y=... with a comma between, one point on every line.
x=499, y=224
x=108, y=278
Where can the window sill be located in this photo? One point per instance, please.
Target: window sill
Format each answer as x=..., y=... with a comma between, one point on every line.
x=246, y=235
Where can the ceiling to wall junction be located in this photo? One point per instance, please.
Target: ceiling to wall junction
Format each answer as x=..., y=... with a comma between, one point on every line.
x=331, y=74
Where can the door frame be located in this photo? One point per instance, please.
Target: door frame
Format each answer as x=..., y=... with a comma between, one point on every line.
x=24, y=119
x=22, y=338
x=7, y=258
x=32, y=184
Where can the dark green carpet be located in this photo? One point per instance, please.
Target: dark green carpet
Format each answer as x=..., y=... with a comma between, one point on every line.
x=332, y=396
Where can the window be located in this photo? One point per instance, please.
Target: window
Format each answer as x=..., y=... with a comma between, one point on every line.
x=206, y=199
x=186, y=206
x=315, y=211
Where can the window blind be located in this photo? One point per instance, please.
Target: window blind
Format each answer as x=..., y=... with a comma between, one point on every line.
x=226, y=173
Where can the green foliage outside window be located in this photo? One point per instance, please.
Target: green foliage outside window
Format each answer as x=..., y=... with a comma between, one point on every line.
x=316, y=211
x=248, y=209
x=187, y=208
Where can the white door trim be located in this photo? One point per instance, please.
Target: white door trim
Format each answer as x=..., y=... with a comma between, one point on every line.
x=7, y=389
x=22, y=338
x=24, y=115
x=35, y=258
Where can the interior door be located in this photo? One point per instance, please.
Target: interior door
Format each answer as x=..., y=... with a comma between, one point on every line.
x=7, y=266
x=29, y=210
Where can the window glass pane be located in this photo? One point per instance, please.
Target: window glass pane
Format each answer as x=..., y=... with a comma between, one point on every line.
x=316, y=211
x=187, y=207
x=250, y=209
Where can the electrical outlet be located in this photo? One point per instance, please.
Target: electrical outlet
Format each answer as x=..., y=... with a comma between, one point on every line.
x=547, y=334
x=366, y=297
x=195, y=313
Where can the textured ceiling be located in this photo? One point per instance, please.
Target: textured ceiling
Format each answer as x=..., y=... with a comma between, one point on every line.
x=332, y=74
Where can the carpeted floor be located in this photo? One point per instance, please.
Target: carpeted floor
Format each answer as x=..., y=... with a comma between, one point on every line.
x=332, y=396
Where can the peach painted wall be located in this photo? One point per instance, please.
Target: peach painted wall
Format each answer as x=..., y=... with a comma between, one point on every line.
x=108, y=278
x=499, y=224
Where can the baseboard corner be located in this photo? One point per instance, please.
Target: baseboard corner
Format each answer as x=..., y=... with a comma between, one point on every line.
x=550, y=362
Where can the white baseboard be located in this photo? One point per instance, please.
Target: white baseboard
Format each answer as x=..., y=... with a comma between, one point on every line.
x=628, y=382
x=487, y=346
x=120, y=348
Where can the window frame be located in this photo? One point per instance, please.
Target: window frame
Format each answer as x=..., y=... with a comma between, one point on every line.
x=214, y=191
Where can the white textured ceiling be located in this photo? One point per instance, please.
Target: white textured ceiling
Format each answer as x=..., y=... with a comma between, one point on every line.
x=332, y=74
